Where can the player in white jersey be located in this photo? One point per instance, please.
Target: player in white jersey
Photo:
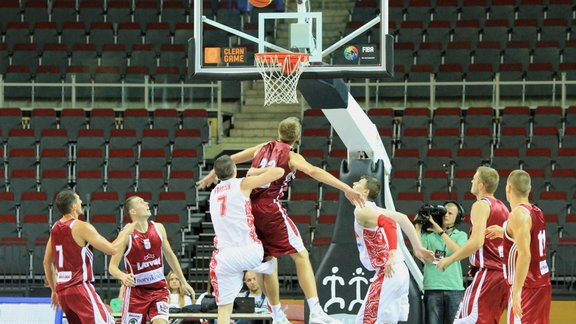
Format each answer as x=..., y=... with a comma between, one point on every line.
x=237, y=246
x=376, y=237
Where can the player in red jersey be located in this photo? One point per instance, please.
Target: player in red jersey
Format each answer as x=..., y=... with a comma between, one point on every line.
x=524, y=261
x=146, y=295
x=275, y=229
x=68, y=262
x=485, y=299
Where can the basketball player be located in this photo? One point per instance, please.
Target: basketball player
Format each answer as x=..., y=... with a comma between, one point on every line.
x=524, y=254
x=376, y=238
x=237, y=247
x=278, y=233
x=69, y=249
x=485, y=299
x=146, y=295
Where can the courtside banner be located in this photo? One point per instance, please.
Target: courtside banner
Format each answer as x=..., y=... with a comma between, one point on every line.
x=29, y=310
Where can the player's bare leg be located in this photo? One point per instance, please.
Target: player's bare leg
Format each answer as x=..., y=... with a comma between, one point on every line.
x=305, y=274
x=224, y=313
x=307, y=282
x=272, y=291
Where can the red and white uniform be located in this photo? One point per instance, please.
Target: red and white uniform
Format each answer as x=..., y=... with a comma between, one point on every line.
x=278, y=233
x=76, y=294
x=486, y=297
x=237, y=247
x=537, y=290
x=144, y=258
x=387, y=298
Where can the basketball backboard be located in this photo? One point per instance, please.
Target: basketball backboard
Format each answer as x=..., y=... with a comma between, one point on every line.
x=226, y=38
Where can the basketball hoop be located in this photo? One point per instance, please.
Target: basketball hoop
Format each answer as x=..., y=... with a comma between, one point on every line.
x=280, y=71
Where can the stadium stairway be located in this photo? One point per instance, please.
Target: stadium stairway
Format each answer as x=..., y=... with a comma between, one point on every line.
x=253, y=123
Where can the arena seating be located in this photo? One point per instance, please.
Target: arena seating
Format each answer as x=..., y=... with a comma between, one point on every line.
x=446, y=38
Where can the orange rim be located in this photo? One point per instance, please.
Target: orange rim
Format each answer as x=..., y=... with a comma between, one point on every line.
x=289, y=60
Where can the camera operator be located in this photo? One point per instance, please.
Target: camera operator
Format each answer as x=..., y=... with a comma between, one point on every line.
x=443, y=291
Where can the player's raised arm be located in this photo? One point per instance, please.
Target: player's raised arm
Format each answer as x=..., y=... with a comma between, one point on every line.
x=371, y=215
x=259, y=178
x=88, y=233
x=240, y=157
x=297, y=162
x=479, y=216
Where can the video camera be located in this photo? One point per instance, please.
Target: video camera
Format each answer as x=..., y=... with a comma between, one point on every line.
x=427, y=211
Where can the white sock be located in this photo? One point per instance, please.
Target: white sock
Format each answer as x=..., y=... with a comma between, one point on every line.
x=314, y=304
x=277, y=311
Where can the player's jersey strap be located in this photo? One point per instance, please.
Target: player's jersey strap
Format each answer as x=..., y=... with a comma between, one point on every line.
x=149, y=277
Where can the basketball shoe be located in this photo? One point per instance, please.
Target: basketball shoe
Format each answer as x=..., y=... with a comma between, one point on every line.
x=320, y=317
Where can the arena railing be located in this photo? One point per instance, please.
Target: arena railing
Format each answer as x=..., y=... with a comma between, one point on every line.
x=559, y=95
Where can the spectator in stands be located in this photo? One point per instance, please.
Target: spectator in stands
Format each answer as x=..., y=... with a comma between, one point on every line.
x=177, y=298
x=254, y=291
x=443, y=291
x=67, y=262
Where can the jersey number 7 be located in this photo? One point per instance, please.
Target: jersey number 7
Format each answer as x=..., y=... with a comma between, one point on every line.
x=222, y=200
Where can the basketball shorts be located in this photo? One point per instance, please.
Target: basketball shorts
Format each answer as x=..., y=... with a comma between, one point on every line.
x=387, y=298
x=485, y=299
x=141, y=305
x=81, y=304
x=535, y=306
x=279, y=235
x=227, y=270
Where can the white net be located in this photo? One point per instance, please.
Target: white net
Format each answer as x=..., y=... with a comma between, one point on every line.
x=281, y=72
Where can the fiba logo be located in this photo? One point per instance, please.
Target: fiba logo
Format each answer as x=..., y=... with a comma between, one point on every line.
x=351, y=53
x=133, y=321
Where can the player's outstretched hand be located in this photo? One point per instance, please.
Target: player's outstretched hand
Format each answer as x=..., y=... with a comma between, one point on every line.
x=494, y=231
x=354, y=197
x=443, y=263
x=129, y=228
x=207, y=181
x=54, y=300
x=128, y=280
x=188, y=290
x=424, y=255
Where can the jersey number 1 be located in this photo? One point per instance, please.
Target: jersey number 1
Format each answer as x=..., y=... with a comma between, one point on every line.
x=541, y=242
x=60, y=256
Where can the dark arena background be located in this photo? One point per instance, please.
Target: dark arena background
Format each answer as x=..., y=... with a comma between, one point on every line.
x=117, y=98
